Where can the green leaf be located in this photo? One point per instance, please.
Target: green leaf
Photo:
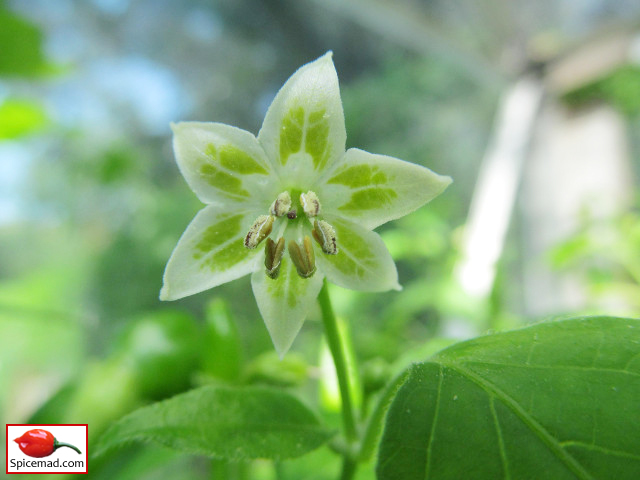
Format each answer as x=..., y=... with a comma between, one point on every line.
x=554, y=400
x=210, y=252
x=269, y=369
x=222, y=354
x=373, y=189
x=162, y=349
x=229, y=423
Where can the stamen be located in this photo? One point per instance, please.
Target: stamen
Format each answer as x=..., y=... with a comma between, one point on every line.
x=325, y=235
x=292, y=214
x=303, y=258
x=281, y=205
x=272, y=256
x=260, y=229
x=310, y=203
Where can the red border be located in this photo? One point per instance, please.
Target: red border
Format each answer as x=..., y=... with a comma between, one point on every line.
x=6, y=436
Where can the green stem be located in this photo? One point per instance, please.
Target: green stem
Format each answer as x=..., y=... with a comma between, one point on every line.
x=374, y=427
x=348, y=469
x=57, y=445
x=339, y=359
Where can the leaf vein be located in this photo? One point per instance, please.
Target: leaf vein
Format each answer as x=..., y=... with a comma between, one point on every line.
x=556, y=367
x=631, y=360
x=434, y=423
x=609, y=451
x=503, y=453
x=567, y=459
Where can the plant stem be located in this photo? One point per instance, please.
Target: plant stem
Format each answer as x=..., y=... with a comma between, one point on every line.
x=339, y=359
x=374, y=427
x=348, y=469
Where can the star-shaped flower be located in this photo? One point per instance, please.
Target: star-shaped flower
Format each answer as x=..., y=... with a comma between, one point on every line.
x=296, y=194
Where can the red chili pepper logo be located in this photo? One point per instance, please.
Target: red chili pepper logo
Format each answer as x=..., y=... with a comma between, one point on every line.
x=39, y=443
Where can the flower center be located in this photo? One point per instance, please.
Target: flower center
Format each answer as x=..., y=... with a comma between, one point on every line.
x=283, y=213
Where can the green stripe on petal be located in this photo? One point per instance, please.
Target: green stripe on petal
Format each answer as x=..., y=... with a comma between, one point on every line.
x=306, y=119
x=284, y=302
x=291, y=133
x=306, y=132
x=363, y=261
x=221, y=164
x=221, y=180
x=237, y=161
x=373, y=189
x=316, y=141
x=209, y=253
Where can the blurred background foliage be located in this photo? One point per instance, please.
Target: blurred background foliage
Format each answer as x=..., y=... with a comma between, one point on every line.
x=92, y=203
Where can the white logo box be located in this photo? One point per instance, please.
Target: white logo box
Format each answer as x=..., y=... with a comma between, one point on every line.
x=62, y=460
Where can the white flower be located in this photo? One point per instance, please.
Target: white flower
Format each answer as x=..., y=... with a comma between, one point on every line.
x=294, y=191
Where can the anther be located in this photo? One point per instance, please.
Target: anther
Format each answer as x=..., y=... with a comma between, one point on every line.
x=281, y=205
x=310, y=203
x=260, y=229
x=272, y=256
x=325, y=235
x=292, y=214
x=303, y=258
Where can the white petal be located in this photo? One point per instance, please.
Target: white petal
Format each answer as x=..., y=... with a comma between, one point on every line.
x=373, y=189
x=303, y=131
x=285, y=302
x=222, y=164
x=363, y=261
x=210, y=252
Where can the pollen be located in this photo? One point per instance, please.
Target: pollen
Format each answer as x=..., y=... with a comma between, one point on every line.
x=281, y=205
x=260, y=230
x=310, y=204
x=325, y=235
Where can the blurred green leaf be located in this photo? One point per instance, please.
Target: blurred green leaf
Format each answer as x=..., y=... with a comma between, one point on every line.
x=555, y=400
x=221, y=350
x=268, y=368
x=230, y=423
x=620, y=88
x=148, y=463
x=106, y=391
x=162, y=350
x=53, y=410
x=20, y=117
x=21, y=41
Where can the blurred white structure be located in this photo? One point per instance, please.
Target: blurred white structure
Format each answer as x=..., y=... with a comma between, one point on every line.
x=497, y=186
x=579, y=161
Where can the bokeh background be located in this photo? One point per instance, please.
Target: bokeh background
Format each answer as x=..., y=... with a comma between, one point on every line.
x=532, y=107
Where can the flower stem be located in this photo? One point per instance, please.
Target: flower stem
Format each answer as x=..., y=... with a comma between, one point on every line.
x=339, y=359
x=374, y=427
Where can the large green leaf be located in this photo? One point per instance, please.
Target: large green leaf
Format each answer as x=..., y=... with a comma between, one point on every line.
x=557, y=400
x=230, y=423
